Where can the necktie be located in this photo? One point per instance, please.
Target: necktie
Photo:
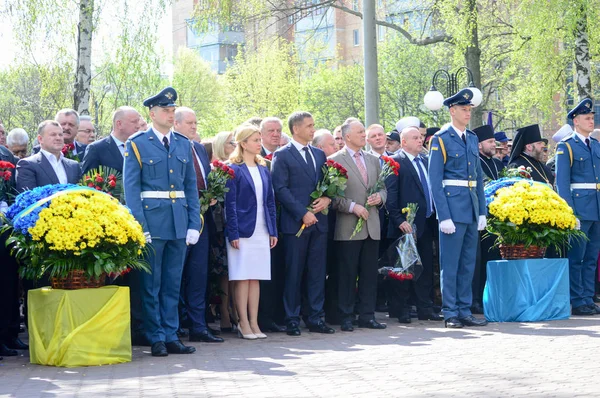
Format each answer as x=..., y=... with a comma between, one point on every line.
x=122, y=148
x=418, y=162
x=361, y=167
x=587, y=142
x=199, y=179
x=166, y=143
x=464, y=138
x=309, y=161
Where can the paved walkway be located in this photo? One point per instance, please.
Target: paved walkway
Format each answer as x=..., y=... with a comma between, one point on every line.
x=423, y=359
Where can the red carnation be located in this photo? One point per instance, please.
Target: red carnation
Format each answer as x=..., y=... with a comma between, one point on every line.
x=112, y=184
x=112, y=177
x=99, y=178
x=231, y=173
x=98, y=188
x=90, y=185
x=215, y=163
x=7, y=175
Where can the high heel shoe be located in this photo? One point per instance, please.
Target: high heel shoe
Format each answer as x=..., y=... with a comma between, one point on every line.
x=250, y=336
x=260, y=335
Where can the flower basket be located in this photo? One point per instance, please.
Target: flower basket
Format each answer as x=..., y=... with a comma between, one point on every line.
x=520, y=252
x=77, y=280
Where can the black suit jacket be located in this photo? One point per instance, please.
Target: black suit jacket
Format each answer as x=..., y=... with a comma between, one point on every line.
x=36, y=171
x=403, y=189
x=79, y=148
x=103, y=152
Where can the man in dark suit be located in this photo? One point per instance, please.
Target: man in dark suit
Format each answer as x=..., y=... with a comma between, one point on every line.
x=270, y=134
x=9, y=282
x=357, y=255
x=412, y=186
x=48, y=166
x=69, y=121
x=195, y=270
x=296, y=170
x=109, y=150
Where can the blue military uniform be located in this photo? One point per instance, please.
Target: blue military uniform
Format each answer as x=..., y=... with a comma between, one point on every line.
x=578, y=183
x=457, y=188
x=160, y=189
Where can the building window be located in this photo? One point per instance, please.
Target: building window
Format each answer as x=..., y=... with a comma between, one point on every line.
x=356, y=37
x=380, y=32
x=355, y=5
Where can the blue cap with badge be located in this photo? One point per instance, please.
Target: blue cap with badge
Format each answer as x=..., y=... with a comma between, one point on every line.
x=393, y=135
x=166, y=98
x=463, y=97
x=500, y=136
x=583, y=108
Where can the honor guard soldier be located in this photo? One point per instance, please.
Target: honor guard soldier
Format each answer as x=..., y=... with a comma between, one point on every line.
x=528, y=151
x=161, y=191
x=457, y=189
x=578, y=182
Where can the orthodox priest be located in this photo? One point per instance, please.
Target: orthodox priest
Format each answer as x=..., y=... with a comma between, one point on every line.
x=528, y=151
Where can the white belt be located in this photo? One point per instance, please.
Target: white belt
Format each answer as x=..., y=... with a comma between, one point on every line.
x=585, y=186
x=459, y=183
x=163, y=194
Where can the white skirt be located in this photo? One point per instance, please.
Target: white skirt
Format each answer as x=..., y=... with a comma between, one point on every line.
x=253, y=259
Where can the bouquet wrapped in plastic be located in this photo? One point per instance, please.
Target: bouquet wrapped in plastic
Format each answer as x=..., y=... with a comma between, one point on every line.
x=401, y=261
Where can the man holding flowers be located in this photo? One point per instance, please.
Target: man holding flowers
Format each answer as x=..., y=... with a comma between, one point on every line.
x=457, y=187
x=162, y=193
x=577, y=176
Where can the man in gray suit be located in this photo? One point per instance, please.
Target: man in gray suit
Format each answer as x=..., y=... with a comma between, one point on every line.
x=357, y=256
x=48, y=166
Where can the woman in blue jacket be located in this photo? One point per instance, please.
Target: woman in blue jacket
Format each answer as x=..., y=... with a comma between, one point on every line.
x=250, y=227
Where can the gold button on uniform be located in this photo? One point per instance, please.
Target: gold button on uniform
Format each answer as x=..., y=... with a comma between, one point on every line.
x=146, y=206
x=171, y=171
x=173, y=201
x=172, y=186
x=151, y=161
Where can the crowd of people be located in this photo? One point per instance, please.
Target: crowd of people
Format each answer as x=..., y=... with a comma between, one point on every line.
x=245, y=263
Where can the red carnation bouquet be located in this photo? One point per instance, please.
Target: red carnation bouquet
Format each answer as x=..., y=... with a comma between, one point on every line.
x=103, y=179
x=67, y=151
x=333, y=185
x=390, y=166
x=6, y=172
x=216, y=185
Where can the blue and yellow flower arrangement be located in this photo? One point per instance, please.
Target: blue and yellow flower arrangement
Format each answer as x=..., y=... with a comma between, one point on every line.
x=61, y=228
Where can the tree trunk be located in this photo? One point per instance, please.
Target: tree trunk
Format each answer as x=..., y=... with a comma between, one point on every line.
x=473, y=58
x=83, y=73
x=582, y=57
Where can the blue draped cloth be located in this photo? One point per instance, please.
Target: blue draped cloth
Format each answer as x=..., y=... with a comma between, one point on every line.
x=527, y=290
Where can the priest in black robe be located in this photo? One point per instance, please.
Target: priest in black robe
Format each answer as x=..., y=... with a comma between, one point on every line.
x=528, y=151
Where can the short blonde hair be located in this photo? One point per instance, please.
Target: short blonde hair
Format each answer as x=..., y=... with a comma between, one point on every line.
x=242, y=133
x=218, y=144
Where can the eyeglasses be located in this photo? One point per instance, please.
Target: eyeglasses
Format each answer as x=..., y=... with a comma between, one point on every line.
x=232, y=143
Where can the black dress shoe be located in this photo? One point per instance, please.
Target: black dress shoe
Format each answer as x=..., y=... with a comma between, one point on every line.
x=371, y=324
x=583, y=310
x=7, y=352
x=404, y=318
x=293, y=329
x=181, y=332
x=477, y=308
x=347, y=326
x=321, y=327
x=381, y=308
x=205, y=336
x=596, y=298
x=159, y=349
x=228, y=330
x=214, y=331
x=273, y=328
x=453, y=323
x=140, y=340
x=430, y=316
x=16, y=344
x=177, y=347
x=594, y=308
x=472, y=321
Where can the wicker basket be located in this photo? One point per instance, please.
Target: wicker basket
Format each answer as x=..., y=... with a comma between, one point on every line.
x=77, y=280
x=519, y=252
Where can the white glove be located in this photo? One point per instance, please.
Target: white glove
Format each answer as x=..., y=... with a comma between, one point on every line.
x=147, y=236
x=578, y=224
x=482, y=223
x=3, y=207
x=192, y=237
x=447, y=227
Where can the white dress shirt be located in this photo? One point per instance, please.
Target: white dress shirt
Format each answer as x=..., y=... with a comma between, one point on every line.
x=459, y=131
x=300, y=147
x=160, y=135
x=57, y=166
x=120, y=144
x=581, y=136
x=416, y=165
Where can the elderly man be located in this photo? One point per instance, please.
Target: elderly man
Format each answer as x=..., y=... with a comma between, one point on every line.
x=324, y=141
x=2, y=135
x=356, y=254
x=195, y=269
x=86, y=132
x=528, y=151
x=285, y=139
x=69, y=121
x=17, y=141
x=270, y=134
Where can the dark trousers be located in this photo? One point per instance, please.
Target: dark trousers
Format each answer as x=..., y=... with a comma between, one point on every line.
x=485, y=253
x=195, y=282
x=160, y=289
x=357, y=259
x=583, y=259
x=332, y=314
x=9, y=293
x=306, y=256
x=270, y=307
